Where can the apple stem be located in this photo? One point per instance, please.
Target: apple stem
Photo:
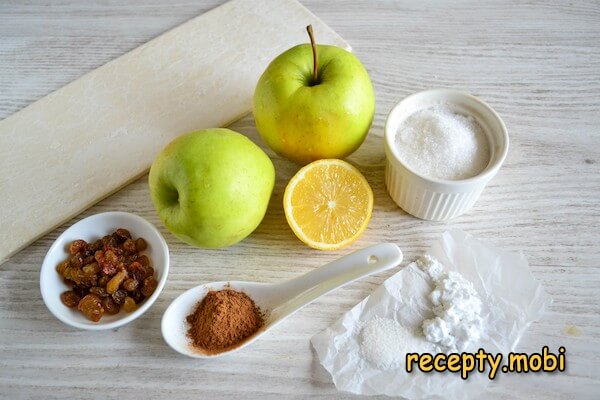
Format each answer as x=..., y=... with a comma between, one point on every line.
x=313, y=44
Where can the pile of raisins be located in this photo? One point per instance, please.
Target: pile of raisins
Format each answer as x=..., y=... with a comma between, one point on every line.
x=108, y=275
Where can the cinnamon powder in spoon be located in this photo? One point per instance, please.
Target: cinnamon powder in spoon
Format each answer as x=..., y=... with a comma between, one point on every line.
x=223, y=320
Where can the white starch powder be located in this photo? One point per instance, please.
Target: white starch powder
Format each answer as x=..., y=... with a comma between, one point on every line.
x=457, y=308
x=439, y=143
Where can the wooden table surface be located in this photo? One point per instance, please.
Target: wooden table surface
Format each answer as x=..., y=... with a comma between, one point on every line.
x=536, y=63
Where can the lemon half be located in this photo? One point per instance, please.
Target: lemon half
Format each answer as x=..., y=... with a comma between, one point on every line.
x=328, y=204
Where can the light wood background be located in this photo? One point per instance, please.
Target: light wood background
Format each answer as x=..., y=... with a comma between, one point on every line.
x=536, y=63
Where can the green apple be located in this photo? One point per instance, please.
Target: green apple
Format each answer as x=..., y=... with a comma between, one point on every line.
x=314, y=102
x=211, y=188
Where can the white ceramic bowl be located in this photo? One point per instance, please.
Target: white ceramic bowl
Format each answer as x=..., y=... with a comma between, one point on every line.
x=437, y=199
x=90, y=229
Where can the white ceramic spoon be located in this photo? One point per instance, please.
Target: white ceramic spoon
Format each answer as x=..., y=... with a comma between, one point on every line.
x=278, y=300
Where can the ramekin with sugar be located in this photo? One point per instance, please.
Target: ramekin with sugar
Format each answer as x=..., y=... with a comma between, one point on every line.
x=437, y=199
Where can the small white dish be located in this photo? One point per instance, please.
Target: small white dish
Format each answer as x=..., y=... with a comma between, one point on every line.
x=90, y=229
x=277, y=301
x=437, y=199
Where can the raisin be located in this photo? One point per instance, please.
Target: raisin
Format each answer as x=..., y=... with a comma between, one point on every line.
x=108, y=267
x=76, y=261
x=110, y=306
x=81, y=278
x=91, y=269
x=136, y=295
x=129, y=304
x=91, y=307
x=89, y=280
x=67, y=273
x=141, y=244
x=70, y=298
x=149, y=272
x=144, y=260
x=60, y=268
x=76, y=275
x=116, y=238
x=80, y=291
x=129, y=258
x=103, y=280
x=137, y=270
x=109, y=242
x=129, y=246
x=114, y=283
x=111, y=257
x=149, y=286
x=130, y=284
x=97, y=245
x=77, y=246
x=99, y=291
x=123, y=233
x=119, y=296
x=88, y=259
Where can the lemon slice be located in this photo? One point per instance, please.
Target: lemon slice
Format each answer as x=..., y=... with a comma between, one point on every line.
x=328, y=204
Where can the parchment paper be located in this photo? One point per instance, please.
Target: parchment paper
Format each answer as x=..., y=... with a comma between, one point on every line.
x=511, y=297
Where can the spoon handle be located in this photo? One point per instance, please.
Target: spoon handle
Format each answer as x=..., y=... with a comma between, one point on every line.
x=304, y=289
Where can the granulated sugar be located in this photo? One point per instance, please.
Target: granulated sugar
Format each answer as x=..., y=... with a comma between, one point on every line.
x=439, y=143
x=384, y=342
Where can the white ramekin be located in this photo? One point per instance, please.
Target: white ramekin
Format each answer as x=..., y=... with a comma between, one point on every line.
x=437, y=199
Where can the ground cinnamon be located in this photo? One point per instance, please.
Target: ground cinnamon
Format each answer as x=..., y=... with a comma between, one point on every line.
x=222, y=320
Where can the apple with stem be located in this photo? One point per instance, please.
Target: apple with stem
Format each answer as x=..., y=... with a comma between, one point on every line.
x=314, y=101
